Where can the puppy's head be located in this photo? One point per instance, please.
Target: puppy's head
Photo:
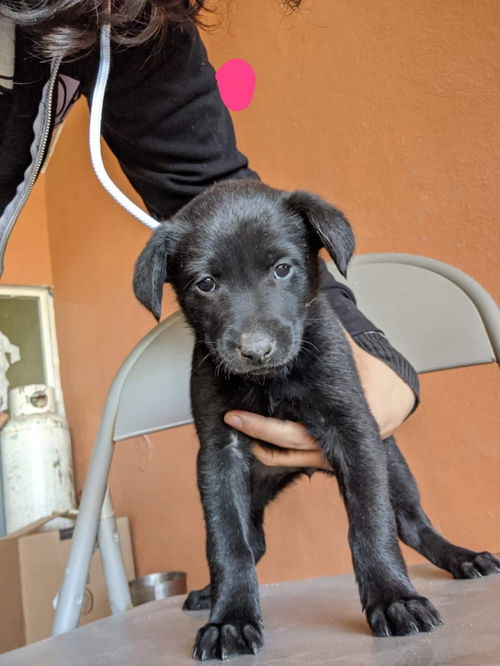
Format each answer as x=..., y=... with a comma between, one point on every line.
x=242, y=258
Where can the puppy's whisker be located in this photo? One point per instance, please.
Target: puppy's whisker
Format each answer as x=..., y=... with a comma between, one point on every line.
x=303, y=346
x=219, y=366
x=311, y=353
x=202, y=361
x=188, y=285
x=303, y=343
x=308, y=342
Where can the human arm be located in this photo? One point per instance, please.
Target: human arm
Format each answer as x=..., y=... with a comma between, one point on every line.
x=165, y=121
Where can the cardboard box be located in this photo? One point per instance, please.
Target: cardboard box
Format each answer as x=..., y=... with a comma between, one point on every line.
x=31, y=572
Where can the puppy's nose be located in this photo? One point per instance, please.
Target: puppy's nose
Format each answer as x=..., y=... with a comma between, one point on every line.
x=257, y=346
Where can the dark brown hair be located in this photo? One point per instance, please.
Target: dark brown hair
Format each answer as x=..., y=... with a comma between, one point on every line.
x=68, y=27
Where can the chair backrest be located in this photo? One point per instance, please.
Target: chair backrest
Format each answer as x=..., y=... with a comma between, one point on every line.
x=435, y=315
x=154, y=392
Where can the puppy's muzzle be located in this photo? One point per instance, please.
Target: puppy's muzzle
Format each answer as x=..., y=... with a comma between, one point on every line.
x=259, y=349
x=256, y=347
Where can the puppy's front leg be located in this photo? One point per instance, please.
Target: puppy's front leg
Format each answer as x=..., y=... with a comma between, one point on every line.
x=235, y=624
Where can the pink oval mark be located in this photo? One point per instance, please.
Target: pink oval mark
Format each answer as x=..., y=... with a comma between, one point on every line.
x=236, y=80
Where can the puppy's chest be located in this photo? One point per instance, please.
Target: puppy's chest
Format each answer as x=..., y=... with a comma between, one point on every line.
x=279, y=398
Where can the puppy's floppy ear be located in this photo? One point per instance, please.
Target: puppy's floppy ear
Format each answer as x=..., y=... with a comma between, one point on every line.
x=151, y=271
x=329, y=223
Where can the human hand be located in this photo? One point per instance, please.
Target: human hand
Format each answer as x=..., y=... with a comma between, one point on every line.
x=389, y=398
x=298, y=447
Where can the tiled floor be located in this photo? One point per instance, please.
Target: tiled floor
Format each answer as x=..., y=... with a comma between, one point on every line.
x=308, y=623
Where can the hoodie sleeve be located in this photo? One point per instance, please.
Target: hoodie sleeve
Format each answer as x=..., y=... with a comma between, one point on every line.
x=165, y=121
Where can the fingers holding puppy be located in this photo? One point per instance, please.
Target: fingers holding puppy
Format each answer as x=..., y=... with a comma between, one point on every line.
x=297, y=447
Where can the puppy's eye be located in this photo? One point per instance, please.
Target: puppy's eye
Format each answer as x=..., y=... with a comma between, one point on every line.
x=282, y=271
x=206, y=284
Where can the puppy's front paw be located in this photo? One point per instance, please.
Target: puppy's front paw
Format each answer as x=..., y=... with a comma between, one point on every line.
x=401, y=617
x=220, y=641
x=474, y=565
x=198, y=600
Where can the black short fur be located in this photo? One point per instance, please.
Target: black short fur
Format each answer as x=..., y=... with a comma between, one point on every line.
x=242, y=258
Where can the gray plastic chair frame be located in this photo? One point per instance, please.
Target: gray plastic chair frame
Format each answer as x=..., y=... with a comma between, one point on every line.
x=165, y=353
x=435, y=314
x=96, y=518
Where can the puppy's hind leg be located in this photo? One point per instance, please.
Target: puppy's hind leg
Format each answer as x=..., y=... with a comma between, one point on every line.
x=416, y=530
x=200, y=599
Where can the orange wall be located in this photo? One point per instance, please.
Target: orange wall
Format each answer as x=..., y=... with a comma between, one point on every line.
x=27, y=260
x=388, y=109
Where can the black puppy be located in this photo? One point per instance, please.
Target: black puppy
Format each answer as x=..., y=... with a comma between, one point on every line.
x=242, y=258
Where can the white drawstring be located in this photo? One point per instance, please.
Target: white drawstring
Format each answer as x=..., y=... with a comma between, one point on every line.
x=95, y=133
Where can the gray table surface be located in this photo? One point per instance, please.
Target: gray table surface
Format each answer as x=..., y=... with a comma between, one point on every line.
x=308, y=623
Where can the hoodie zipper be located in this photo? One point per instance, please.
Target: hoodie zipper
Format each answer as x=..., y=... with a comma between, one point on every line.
x=56, y=63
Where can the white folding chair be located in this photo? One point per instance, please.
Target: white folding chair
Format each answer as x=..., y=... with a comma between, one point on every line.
x=434, y=314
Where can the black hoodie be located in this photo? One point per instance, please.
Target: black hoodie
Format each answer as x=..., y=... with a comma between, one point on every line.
x=163, y=119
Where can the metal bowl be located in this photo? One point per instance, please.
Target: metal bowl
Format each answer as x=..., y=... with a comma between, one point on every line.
x=157, y=586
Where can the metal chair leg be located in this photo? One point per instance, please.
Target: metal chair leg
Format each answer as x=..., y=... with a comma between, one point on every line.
x=70, y=597
x=112, y=559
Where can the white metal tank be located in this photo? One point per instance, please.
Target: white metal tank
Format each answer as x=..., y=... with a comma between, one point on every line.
x=37, y=468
